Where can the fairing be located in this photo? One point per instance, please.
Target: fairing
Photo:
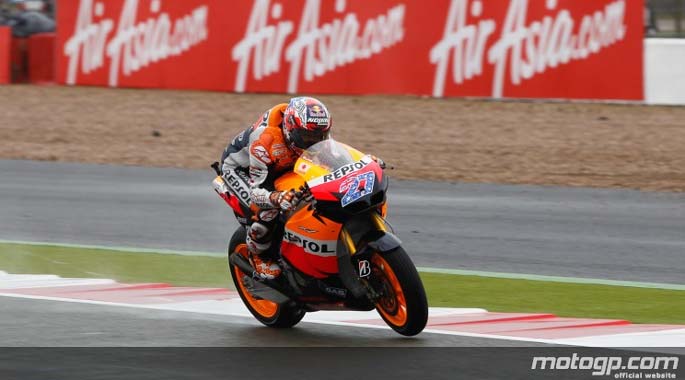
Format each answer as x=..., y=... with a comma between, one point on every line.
x=339, y=178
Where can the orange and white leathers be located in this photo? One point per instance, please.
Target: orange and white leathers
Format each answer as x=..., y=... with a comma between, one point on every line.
x=261, y=151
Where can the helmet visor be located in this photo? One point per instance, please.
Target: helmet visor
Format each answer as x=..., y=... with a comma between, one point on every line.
x=303, y=138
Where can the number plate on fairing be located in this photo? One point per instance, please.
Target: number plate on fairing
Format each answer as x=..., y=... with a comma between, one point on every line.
x=357, y=187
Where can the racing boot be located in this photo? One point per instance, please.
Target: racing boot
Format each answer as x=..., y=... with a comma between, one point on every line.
x=265, y=267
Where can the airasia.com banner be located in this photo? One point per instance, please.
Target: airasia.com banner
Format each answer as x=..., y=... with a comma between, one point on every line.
x=495, y=48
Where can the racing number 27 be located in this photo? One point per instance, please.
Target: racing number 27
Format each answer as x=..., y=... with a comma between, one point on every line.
x=357, y=187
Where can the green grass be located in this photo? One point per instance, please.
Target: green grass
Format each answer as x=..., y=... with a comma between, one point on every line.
x=121, y=266
x=640, y=305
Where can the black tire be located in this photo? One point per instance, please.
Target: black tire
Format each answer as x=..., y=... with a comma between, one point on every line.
x=412, y=291
x=285, y=316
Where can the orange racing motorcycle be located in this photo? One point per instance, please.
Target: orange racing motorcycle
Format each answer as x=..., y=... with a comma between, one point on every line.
x=337, y=252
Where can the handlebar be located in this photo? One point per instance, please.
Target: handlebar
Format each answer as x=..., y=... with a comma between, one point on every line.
x=215, y=166
x=304, y=191
x=305, y=194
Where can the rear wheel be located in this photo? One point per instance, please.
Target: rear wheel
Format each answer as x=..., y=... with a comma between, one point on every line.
x=267, y=312
x=403, y=305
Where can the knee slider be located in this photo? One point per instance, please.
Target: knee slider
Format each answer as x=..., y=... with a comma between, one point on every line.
x=257, y=247
x=259, y=232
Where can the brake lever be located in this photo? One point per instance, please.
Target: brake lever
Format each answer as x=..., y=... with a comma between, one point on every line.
x=387, y=166
x=305, y=192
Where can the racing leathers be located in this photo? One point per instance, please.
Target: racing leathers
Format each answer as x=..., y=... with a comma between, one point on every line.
x=250, y=164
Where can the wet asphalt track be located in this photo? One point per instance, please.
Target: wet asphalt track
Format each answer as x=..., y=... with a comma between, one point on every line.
x=40, y=323
x=622, y=235
x=594, y=233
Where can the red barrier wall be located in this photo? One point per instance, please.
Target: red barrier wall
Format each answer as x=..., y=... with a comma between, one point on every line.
x=5, y=54
x=41, y=58
x=498, y=48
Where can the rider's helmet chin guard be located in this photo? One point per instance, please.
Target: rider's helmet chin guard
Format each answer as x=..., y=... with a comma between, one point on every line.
x=306, y=121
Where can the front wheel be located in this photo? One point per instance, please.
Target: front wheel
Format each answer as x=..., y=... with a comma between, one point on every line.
x=267, y=312
x=403, y=305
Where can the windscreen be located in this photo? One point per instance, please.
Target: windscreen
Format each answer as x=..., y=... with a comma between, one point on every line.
x=328, y=153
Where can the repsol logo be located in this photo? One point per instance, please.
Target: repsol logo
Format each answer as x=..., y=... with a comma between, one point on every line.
x=238, y=188
x=310, y=246
x=347, y=169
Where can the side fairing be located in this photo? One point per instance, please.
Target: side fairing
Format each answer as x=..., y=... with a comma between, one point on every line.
x=309, y=243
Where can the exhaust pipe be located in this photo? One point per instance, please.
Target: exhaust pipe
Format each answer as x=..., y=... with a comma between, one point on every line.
x=242, y=264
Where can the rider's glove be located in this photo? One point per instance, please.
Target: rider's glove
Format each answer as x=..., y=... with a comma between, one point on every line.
x=378, y=160
x=285, y=200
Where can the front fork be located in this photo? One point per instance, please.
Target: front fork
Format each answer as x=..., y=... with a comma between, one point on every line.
x=359, y=239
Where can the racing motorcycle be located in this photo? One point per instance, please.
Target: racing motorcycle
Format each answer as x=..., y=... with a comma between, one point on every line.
x=337, y=252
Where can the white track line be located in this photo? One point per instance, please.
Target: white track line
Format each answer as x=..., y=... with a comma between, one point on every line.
x=235, y=308
x=244, y=313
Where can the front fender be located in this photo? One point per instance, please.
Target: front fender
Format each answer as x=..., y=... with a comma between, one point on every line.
x=385, y=243
x=357, y=245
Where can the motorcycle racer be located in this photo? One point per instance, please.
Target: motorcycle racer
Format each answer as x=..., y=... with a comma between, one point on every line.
x=256, y=157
